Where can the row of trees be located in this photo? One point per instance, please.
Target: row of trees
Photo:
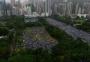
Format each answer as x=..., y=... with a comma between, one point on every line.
x=12, y=30
x=78, y=22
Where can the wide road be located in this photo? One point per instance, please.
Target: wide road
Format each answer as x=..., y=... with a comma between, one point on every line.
x=75, y=33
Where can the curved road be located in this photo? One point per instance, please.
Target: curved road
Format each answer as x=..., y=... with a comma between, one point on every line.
x=75, y=33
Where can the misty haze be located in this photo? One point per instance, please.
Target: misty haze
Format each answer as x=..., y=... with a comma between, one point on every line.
x=44, y=30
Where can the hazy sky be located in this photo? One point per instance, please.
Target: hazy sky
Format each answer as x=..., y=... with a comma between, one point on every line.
x=16, y=0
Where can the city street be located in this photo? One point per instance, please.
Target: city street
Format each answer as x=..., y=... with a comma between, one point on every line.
x=75, y=33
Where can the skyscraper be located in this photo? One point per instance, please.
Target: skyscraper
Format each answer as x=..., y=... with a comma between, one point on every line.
x=1, y=9
x=12, y=2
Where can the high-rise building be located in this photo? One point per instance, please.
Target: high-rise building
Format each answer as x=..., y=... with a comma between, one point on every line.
x=1, y=8
x=12, y=2
x=16, y=7
x=69, y=8
x=87, y=7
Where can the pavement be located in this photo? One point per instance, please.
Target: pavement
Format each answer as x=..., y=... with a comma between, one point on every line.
x=72, y=31
x=37, y=37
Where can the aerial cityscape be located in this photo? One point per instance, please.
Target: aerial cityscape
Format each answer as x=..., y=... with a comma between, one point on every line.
x=44, y=30
x=45, y=7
